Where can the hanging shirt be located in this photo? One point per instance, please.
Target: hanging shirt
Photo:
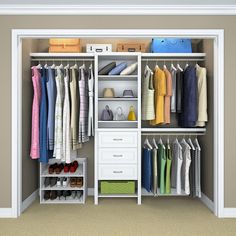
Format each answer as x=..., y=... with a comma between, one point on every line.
x=179, y=90
x=148, y=112
x=83, y=114
x=202, y=96
x=51, y=91
x=74, y=95
x=43, y=134
x=173, y=97
x=66, y=121
x=58, y=132
x=160, y=92
x=168, y=169
x=188, y=117
x=147, y=169
x=90, y=93
x=167, y=96
x=162, y=161
x=35, y=146
x=154, y=170
x=186, y=166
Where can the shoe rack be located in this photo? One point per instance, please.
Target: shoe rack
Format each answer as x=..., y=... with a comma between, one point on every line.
x=63, y=187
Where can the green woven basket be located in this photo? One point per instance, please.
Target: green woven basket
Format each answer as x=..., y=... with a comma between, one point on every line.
x=117, y=187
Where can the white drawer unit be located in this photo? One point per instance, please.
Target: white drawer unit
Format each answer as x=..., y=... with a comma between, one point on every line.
x=117, y=139
x=118, y=155
x=117, y=172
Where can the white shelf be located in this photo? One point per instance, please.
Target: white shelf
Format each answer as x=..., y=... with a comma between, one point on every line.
x=62, y=188
x=172, y=194
x=69, y=200
x=118, y=99
x=117, y=77
x=117, y=195
x=175, y=55
x=77, y=173
x=177, y=130
x=48, y=55
x=118, y=121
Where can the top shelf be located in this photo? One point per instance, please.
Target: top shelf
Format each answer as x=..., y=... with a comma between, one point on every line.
x=66, y=55
x=175, y=55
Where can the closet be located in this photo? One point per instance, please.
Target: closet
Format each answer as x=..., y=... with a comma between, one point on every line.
x=113, y=159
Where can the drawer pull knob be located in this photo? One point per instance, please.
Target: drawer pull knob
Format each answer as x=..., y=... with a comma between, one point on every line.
x=115, y=155
x=117, y=139
x=117, y=171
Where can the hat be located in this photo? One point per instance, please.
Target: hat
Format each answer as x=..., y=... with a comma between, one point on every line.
x=128, y=94
x=108, y=93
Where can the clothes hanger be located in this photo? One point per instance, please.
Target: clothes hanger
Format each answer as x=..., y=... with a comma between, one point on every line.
x=179, y=67
x=53, y=65
x=191, y=144
x=168, y=142
x=172, y=67
x=154, y=143
x=161, y=142
x=156, y=67
x=46, y=65
x=197, y=143
x=164, y=66
x=61, y=66
x=146, y=142
x=186, y=64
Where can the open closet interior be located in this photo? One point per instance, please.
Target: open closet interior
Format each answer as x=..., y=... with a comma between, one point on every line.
x=124, y=127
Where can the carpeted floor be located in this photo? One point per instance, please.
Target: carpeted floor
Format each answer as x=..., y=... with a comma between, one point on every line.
x=162, y=216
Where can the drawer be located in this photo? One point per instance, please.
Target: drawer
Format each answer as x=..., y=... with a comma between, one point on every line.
x=117, y=172
x=117, y=139
x=118, y=155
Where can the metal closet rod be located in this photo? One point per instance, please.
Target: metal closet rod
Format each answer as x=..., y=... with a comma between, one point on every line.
x=60, y=59
x=172, y=134
x=175, y=59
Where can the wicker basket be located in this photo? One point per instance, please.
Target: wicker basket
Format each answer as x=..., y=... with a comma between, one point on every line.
x=117, y=187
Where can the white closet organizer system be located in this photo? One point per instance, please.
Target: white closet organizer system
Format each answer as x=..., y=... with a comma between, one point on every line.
x=118, y=144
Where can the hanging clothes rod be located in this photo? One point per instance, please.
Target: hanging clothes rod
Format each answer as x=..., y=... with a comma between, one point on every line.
x=174, y=59
x=172, y=134
x=61, y=59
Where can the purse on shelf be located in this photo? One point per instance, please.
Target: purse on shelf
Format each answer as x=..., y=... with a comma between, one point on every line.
x=171, y=45
x=107, y=114
x=108, y=93
x=119, y=115
x=118, y=69
x=106, y=69
x=130, y=69
x=131, y=115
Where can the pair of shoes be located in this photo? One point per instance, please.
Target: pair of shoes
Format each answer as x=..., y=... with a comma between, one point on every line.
x=62, y=182
x=50, y=194
x=57, y=168
x=52, y=181
x=72, y=167
x=66, y=193
x=76, y=182
x=76, y=193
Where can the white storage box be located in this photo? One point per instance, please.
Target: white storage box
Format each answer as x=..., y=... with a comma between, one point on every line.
x=99, y=48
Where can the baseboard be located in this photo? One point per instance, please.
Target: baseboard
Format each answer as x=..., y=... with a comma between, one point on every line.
x=228, y=212
x=29, y=200
x=6, y=213
x=208, y=202
x=90, y=191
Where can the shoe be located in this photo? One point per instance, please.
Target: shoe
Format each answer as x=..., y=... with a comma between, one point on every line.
x=66, y=193
x=65, y=182
x=74, y=166
x=79, y=182
x=73, y=194
x=53, y=195
x=79, y=194
x=59, y=193
x=59, y=168
x=51, y=168
x=59, y=182
x=46, y=182
x=53, y=181
x=73, y=182
x=67, y=168
x=47, y=194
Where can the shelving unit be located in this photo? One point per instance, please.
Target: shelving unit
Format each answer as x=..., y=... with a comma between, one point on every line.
x=80, y=172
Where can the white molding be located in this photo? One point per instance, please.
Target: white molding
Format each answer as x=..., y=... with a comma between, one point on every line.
x=69, y=9
x=29, y=200
x=7, y=213
x=216, y=34
x=207, y=201
x=228, y=212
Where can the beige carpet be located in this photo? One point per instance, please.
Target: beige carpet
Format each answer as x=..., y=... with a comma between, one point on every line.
x=162, y=216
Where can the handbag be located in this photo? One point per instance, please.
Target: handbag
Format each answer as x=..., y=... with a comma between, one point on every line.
x=119, y=115
x=171, y=45
x=131, y=115
x=107, y=114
